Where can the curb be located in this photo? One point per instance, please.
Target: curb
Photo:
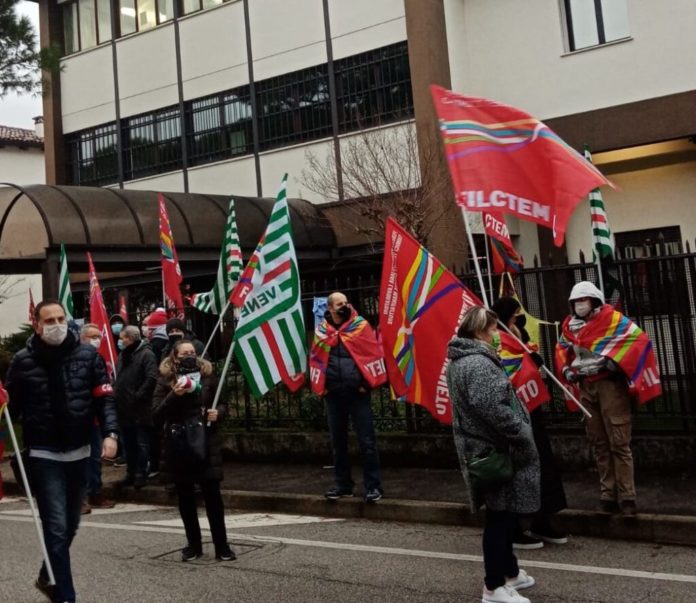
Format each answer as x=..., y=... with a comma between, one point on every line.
x=644, y=527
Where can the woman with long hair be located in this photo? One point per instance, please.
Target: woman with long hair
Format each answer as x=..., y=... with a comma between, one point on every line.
x=182, y=398
x=489, y=422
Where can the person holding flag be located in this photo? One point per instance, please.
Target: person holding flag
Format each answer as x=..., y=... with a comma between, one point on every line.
x=607, y=358
x=523, y=370
x=345, y=363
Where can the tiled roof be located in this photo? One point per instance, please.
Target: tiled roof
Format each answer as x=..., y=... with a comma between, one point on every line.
x=19, y=137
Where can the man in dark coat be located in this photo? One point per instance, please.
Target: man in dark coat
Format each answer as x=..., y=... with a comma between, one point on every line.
x=57, y=387
x=136, y=377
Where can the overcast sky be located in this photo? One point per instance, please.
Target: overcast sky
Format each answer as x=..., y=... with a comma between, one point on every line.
x=16, y=110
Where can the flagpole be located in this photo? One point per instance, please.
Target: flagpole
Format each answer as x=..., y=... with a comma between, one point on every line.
x=215, y=328
x=488, y=263
x=221, y=382
x=27, y=489
x=472, y=247
x=598, y=260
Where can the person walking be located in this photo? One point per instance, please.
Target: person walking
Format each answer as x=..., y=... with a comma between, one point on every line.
x=91, y=335
x=488, y=420
x=57, y=387
x=553, y=499
x=346, y=361
x=136, y=377
x=608, y=358
x=186, y=391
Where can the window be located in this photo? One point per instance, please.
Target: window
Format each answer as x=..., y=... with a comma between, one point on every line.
x=220, y=126
x=294, y=107
x=595, y=22
x=374, y=87
x=139, y=15
x=152, y=143
x=649, y=242
x=86, y=23
x=191, y=6
x=92, y=156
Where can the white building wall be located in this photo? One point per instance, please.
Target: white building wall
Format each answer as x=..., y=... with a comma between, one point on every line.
x=172, y=182
x=514, y=52
x=233, y=177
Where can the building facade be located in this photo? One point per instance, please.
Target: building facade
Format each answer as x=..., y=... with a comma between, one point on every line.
x=215, y=96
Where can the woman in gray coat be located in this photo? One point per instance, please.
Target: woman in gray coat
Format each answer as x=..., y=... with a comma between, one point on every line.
x=487, y=416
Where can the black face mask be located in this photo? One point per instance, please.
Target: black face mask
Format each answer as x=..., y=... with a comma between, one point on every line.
x=187, y=364
x=344, y=312
x=521, y=321
x=174, y=337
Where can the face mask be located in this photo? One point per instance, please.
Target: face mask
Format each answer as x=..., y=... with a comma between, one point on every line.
x=116, y=328
x=54, y=334
x=95, y=342
x=174, y=337
x=583, y=308
x=495, y=341
x=121, y=344
x=145, y=331
x=187, y=364
x=521, y=321
x=344, y=312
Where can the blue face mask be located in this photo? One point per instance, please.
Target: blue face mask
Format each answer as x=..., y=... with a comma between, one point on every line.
x=116, y=328
x=121, y=345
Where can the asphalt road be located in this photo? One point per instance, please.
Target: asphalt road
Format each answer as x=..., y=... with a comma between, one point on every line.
x=131, y=553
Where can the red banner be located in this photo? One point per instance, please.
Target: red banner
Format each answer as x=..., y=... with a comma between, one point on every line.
x=503, y=160
x=98, y=315
x=522, y=372
x=32, y=310
x=503, y=254
x=123, y=307
x=171, y=272
x=421, y=307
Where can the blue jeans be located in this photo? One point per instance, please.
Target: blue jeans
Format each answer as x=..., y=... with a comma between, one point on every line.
x=341, y=406
x=60, y=489
x=137, y=446
x=94, y=485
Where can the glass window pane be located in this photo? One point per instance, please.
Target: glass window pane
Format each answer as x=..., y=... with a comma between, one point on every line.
x=72, y=43
x=190, y=6
x=146, y=14
x=127, y=17
x=615, y=16
x=165, y=10
x=104, y=20
x=211, y=3
x=88, y=24
x=584, y=23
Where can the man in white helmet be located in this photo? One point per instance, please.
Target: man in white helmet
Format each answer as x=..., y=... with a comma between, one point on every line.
x=608, y=358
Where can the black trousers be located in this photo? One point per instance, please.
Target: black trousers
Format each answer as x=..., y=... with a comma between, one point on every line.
x=498, y=559
x=213, y=508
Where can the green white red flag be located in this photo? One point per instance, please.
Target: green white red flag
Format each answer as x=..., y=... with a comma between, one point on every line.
x=229, y=269
x=98, y=316
x=602, y=238
x=503, y=160
x=64, y=292
x=171, y=272
x=270, y=338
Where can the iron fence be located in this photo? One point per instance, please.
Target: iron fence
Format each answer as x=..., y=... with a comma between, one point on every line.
x=656, y=292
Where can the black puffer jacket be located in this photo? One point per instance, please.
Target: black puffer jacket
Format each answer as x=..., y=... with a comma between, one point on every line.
x=342, y=374
x=60, y=420
x=136, y=377
x=169, y=408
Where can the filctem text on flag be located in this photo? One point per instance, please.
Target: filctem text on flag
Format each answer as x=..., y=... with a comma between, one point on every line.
x=502, y=200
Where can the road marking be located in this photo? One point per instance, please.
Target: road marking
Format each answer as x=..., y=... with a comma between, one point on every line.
x=119, y=508
x=341, y=546
x=248, y=520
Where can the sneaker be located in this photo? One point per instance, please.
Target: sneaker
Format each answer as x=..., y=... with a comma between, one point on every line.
x=526, y=542
x=86, y=508
x=335, y=493
x=226, y=554
x=609, y=506
x=189, y=553
x=42, y=585
x=549, y=534
x=120, y=462
x=521, y=581
x=99, y=501
x=503, y=594
x=628, y=508
x=152, y=474
x=373, y=495
x=139, y=482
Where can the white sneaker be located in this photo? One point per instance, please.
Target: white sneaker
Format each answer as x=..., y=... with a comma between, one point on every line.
x=503, y=594
x=523, y=580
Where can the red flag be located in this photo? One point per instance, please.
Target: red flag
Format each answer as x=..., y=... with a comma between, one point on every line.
x=244, y=284
x=421, y=307
x=98, y=316
x=522, y=372
x=171, y=272
x=3, y=429
x=503, y=160
x=32, y=310
x=123, y=307
x=503, y=254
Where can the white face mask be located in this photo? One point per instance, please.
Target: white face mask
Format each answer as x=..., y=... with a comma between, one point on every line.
x=95, y=341
x=54, y=334
x=583, y=308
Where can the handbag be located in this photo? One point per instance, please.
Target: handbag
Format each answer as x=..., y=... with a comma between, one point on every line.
x=188, y=443
x=491, y=471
